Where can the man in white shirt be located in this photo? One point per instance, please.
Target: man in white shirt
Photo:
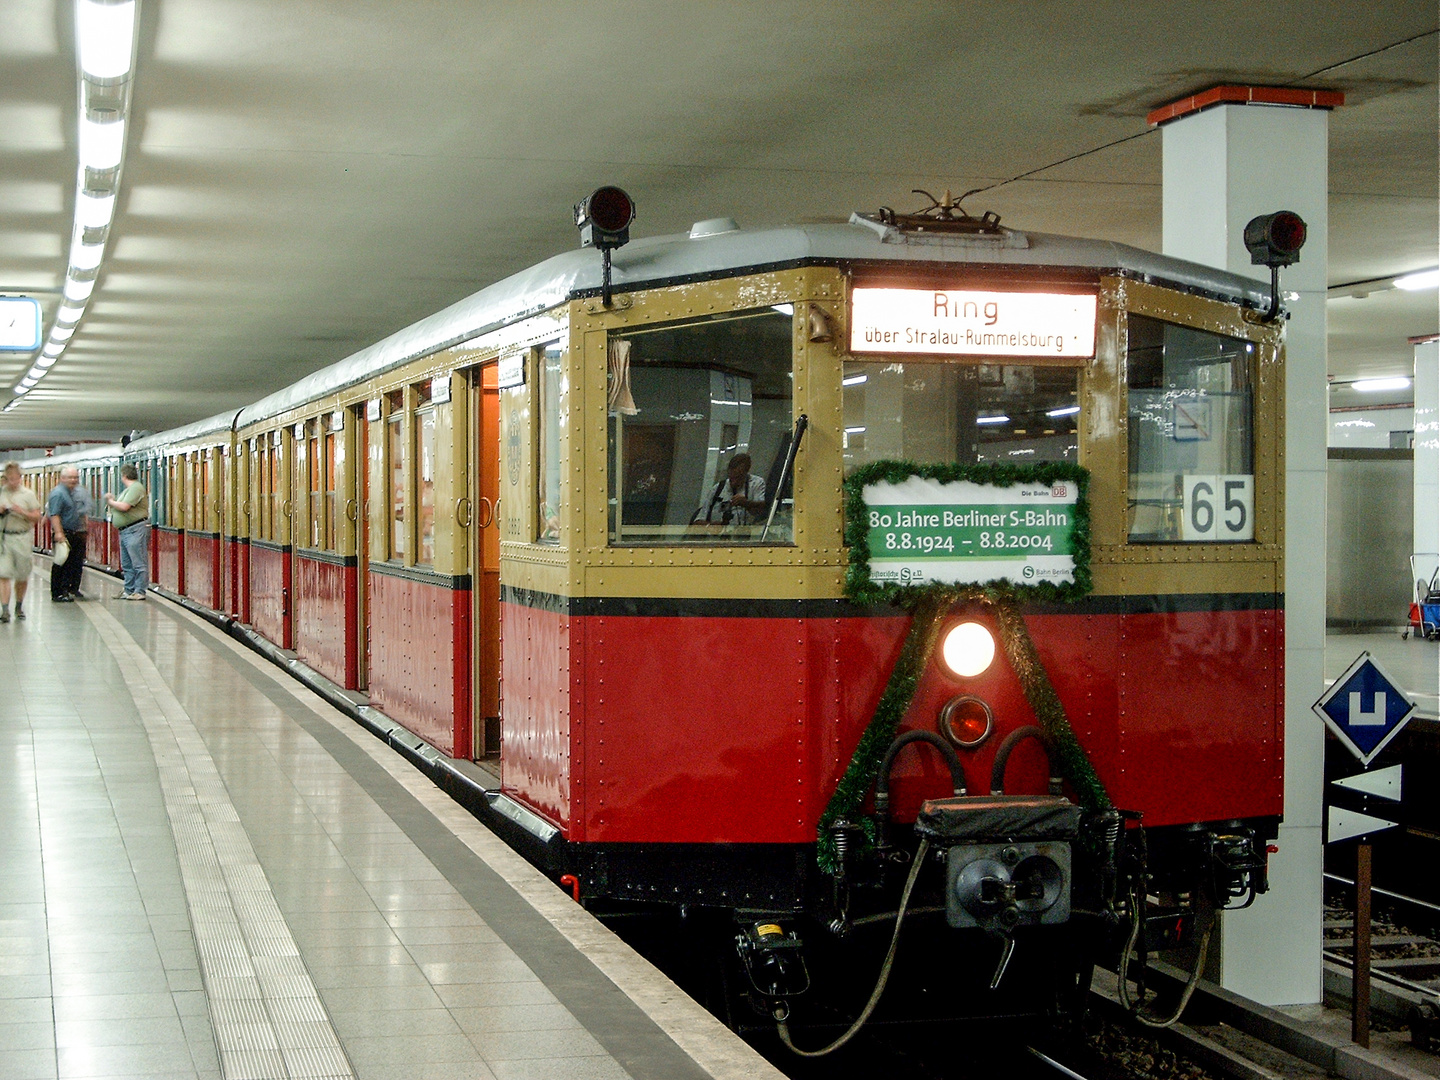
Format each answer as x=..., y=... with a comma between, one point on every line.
x=739, y=499
x=20, y=512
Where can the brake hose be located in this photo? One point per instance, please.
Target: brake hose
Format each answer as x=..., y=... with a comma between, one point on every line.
x=783, y=1026
x=1133, y=1007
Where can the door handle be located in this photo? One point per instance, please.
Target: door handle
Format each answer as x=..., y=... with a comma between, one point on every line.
x=463, y=512
x=489, y=513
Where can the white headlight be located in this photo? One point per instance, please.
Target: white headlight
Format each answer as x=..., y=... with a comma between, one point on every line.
x=968, y=649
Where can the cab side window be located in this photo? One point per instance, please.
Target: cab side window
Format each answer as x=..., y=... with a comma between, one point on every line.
x=1191, y=435
x=700, y=420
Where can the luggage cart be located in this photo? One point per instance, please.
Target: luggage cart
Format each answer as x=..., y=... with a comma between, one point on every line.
x=1425, y=608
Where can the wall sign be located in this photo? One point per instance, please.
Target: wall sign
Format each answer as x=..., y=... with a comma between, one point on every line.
x=19, y=323
x=440, y=389
x=372, y=410
x=512, y=370
x=923, y=532
x=956, y=322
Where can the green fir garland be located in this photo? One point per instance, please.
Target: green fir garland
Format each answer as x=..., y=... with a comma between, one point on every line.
x=930, y=605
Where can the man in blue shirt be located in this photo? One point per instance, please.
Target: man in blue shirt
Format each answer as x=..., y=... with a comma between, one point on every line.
x=69, y=510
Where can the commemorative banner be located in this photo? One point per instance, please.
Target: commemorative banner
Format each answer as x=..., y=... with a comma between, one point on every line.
x=923, y=531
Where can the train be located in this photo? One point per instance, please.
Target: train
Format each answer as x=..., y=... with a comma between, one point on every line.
x=819, y=580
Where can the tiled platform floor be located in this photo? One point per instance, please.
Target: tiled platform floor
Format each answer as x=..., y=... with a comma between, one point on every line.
x=208, y=872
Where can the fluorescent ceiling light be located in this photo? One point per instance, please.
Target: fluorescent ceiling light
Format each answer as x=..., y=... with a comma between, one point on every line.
x=86, y=256
x=52, y=349
x=1426, y=279
x=61, y=333
x=106, y=38
x=78, y=291
x=783, y=309
x=69, y=313
x=94, y=211
x=45, y=363
x=35, y=374
x=854, y=380
x=854, y=430
x=101, y=145
x=1366, y=386
x=1069, y=410
x=1001, y=419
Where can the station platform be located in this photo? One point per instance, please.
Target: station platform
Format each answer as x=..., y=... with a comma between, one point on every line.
x=1412, y=662
x=210, y=872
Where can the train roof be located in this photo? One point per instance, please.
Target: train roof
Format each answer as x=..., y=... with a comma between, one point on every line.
x=714, y=249
x=101, y=452
x=198, y=430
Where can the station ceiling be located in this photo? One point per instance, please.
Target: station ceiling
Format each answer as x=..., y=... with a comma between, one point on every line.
x=303, y=179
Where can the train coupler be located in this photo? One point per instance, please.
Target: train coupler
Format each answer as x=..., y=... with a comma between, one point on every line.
x=1238, y=865
x=774, y=961
x=1008, y=859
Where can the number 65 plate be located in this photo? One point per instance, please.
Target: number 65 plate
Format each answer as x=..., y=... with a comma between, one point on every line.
x=1218, y=509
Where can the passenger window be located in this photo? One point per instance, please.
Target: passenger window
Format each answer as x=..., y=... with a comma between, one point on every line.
x=425, y=484
x=700, y=424
x=332, y=509
x=944, y=412
x=266, y=508
x=1191, y=440
x=552, y=388
x=202, y=491
x=313, y=467
x=397, y=486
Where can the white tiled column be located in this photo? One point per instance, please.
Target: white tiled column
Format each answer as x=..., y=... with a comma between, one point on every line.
x=1222, y=167
x=1427, y=446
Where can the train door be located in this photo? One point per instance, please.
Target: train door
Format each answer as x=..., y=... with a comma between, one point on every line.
x=360, y=493
x=485, y=557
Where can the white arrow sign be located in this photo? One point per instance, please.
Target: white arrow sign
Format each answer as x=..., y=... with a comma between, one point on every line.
x=1343, y=824
x=1382, y=782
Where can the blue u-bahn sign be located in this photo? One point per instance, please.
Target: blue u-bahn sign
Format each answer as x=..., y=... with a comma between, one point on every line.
x=1365, y=708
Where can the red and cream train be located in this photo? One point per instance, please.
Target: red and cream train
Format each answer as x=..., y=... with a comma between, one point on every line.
x=501, y=524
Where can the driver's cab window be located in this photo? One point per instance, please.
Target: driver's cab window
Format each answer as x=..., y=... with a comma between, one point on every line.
x=700, y=422
x=1191, y=439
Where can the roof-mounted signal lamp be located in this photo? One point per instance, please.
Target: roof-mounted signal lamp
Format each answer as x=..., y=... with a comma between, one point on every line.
x=1275, y=240
x=603, y=218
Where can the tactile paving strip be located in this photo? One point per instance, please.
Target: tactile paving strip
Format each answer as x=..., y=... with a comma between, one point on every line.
x=267, y=1016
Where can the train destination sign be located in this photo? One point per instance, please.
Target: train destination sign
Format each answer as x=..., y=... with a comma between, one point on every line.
x=925, y=532
x=963, y=322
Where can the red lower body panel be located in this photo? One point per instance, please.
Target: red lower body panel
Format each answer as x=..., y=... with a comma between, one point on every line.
x=270, y=593
x=727, y=729
x=202, y=569
x=168, y=548
x=325, y=629
x=420, y=658
x=538, y=741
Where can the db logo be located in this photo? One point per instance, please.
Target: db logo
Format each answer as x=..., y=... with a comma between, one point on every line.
x=1057, y=490
x=1028, y=572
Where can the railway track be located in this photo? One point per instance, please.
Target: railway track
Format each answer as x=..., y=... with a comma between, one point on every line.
x=1404, y=966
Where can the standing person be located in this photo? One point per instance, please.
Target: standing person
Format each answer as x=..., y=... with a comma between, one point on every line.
x=130, y=514
x=69, y=510
x=20, y=512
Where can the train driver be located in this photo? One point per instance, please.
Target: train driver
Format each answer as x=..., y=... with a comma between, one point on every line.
x=738, y=499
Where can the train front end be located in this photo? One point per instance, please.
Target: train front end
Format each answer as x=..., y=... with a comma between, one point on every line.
x=871, y=575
